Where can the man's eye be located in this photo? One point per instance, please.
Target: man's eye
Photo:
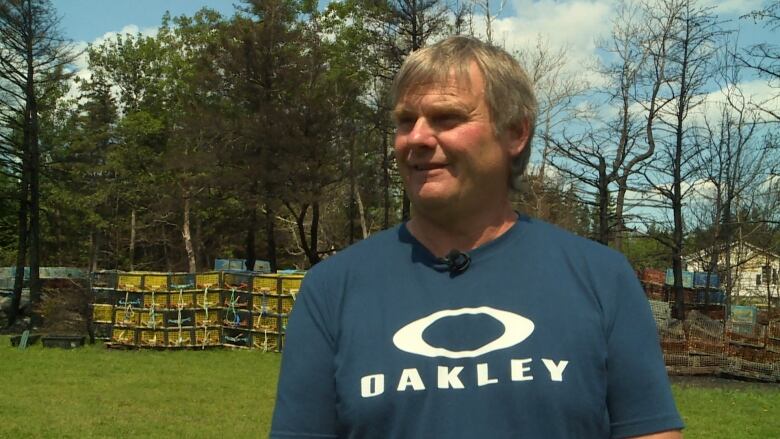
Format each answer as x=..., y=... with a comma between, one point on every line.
x=405, y=123
x=447, y=120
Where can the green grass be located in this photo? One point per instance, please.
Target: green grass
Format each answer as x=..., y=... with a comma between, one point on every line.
x=750, y=411
x=99, y=393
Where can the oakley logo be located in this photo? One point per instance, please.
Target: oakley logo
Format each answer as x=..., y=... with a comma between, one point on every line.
x=410, y=338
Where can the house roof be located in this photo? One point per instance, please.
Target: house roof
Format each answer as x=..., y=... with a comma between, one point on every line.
x=701, y=253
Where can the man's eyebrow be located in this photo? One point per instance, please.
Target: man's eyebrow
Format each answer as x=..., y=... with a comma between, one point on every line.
x=440, y=106
x=401, y=111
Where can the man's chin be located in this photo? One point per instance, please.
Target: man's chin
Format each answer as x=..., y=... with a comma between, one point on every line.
x=432, y=202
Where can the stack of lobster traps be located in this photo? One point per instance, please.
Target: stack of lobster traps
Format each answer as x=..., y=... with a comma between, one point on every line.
x=203, y=310
x=704, y=346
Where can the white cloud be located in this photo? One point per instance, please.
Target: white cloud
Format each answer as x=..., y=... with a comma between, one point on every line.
x=573, y=24
x=131, y=29
x=81, y=64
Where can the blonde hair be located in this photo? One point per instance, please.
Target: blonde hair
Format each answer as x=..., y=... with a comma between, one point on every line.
x=509, y=94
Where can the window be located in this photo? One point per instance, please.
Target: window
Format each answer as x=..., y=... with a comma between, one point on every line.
x=774, y=276
x=758, y=280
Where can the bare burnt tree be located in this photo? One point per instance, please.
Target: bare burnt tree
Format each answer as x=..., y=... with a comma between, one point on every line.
x=557, y=88
x=610, y=152
x=764, y=58
x=681, y=49
x=33, y=61
x=736, y=164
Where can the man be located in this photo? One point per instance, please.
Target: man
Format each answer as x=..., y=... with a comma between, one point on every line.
x=470, y=321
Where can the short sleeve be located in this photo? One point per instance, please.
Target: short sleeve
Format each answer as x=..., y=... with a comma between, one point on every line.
x=639, y=397
x=306, y=396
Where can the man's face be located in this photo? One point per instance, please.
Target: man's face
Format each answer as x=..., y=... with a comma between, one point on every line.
x=446, y=147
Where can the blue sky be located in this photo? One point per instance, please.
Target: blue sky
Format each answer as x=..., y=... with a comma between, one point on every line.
x=86, y=20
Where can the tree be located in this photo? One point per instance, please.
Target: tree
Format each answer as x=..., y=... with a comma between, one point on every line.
x=684, y=38
x=736, y=163
x=33, y=62
x=764, y=58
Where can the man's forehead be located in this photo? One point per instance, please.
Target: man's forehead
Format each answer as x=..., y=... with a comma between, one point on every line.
x=454, y=88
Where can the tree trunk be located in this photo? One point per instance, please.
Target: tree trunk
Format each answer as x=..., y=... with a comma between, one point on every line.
x=309, y=245
x=132, y=240
x=251, y=256
x=314, y=256
x=166, y=251
x=361, y=214
x=94, y=250
x=270, y=236
x=620, y=200
x=187, y=235
x=21, y=253
x=35, y=193
x=603, y=235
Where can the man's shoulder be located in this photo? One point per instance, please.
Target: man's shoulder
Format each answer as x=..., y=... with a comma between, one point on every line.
x=373, y=248
x=553, y=236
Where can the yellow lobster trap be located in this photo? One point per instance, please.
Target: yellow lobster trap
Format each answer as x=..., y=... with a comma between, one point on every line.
x=126, y=316
x=180, y=337
x=266, y=283
x=123, y=336
x=207, y=336
x=267, y=341
x=205, y=317
x=130, y=282
x=102, y=313
x=156, y=282
x=151, y=337
x=151, y=319
x=208, y=298
x=208, y=280
x=264, y=322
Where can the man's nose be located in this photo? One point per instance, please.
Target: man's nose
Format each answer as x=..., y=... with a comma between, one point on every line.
x=422, y=134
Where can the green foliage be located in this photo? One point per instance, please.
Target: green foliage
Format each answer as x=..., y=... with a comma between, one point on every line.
x=644, y=251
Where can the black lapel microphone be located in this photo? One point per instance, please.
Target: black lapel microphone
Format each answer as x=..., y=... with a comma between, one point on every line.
x=457, y=261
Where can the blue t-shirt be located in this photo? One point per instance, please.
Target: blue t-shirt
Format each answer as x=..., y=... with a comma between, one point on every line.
x=544, y=335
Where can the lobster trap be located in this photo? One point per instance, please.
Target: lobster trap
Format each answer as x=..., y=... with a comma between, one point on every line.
x=267, y=341
x=211, y=280
x=180, y=337
x=123, y=336
x=207, y=336
x=266, y=322
x=205, y=317
x=179, y=318
x=236, y=318
x=102, y=313
x=127, y=316
x=237, y=281
x=151, y=337
x=236, y=337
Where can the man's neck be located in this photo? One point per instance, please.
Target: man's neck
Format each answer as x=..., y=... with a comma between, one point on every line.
x=441, y=234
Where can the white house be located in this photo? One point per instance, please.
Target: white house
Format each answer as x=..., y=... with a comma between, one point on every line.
x=754, y=272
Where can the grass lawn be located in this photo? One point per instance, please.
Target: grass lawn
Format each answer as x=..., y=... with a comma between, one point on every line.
x=729, y=410
x=99, y=393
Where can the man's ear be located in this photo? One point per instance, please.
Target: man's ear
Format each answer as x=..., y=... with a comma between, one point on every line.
x=517, y=136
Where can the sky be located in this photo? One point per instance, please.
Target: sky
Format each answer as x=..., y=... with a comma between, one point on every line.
x=572, y=22
x=87, y=20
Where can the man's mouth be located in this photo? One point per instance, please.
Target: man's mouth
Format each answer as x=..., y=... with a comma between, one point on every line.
x=428, y=166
